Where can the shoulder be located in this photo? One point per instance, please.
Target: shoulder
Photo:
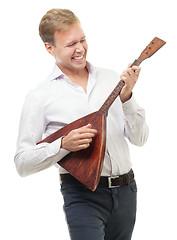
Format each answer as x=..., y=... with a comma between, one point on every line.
x=40, y=92
x=48, y=85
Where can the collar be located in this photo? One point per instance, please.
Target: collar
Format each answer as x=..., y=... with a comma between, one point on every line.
x=58, y=74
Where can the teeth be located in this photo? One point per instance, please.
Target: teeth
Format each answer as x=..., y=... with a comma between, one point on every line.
x=77, y=58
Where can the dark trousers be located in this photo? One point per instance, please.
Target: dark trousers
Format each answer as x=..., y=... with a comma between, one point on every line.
x=106, y=214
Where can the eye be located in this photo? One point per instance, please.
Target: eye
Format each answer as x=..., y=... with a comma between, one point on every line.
x=71, y=45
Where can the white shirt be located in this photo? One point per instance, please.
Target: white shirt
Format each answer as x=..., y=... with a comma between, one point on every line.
x=57, y=101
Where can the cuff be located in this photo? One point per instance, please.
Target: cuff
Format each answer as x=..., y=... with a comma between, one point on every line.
x=55, y=148
x=130, y=106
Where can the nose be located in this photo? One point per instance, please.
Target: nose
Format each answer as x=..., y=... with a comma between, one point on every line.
x=79, y=47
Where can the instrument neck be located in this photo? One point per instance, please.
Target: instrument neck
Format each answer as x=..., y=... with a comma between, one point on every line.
x=106, y=105
x=114, y=94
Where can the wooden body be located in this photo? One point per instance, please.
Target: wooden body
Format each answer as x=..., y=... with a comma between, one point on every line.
x=86, y=165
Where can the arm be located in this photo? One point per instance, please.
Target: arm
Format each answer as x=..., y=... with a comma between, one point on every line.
x=136, y=129
x=31, y=158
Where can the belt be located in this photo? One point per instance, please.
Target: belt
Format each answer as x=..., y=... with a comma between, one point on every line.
x=110, y=182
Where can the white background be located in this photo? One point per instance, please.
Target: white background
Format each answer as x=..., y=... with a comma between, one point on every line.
x=117, y=32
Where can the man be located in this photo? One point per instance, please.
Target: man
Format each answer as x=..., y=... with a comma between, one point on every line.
x=74, y=89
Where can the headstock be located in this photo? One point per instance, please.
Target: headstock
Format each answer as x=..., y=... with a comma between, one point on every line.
x=153, y=47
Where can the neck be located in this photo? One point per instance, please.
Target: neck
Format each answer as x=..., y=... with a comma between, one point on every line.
x=79, y=77
x=72, y=73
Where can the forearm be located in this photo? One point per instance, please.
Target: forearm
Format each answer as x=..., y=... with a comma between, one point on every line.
x=136, y=129
x=38, y=158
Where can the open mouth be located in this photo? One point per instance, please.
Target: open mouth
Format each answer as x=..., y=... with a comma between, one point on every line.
x=78, y=58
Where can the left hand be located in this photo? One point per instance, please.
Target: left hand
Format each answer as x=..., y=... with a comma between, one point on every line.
x=130, y=77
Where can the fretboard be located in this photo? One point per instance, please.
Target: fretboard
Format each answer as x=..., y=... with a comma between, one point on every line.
x=106, y=105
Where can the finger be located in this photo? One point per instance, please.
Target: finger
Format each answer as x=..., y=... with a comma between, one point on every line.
x=84, y=141
x=133, y=67
x=82, y=147
x=86, y=135
x=124, y=78
x=136, y=69
x=125, y=73
x=93, y=132
x=88, y=125
x=87, y=129
x=130, y=71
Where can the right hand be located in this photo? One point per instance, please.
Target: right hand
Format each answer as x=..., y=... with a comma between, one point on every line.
x=79, y=138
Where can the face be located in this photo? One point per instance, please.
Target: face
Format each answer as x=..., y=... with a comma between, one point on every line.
x=70, y=49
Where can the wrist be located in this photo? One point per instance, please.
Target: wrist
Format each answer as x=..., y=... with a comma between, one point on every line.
x=125, y=98
x=62, y=142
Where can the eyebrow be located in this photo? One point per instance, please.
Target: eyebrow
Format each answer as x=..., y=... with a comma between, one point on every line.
x=72, y=42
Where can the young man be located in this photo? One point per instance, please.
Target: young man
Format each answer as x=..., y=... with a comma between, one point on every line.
x=74, y=89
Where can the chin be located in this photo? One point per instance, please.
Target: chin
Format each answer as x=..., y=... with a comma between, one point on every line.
x=79, y=66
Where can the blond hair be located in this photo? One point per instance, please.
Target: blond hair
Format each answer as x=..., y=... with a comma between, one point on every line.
x=55, y=20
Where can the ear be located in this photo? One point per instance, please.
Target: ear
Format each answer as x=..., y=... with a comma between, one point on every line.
x=49, y=47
